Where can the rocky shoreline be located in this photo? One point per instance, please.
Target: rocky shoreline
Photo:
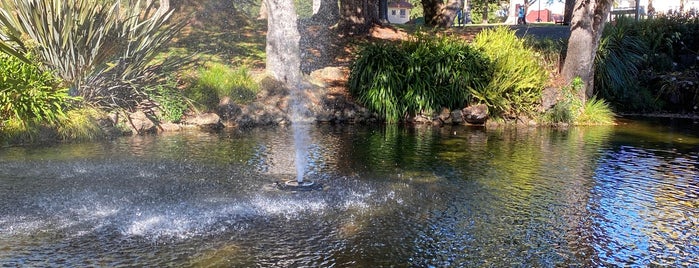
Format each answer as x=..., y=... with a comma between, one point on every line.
x=271, y=108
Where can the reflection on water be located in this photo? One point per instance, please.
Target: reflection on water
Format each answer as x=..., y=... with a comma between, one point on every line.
x=392, y=196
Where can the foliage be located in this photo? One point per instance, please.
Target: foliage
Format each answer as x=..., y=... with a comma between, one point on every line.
x=216, y=82
x=569, y=107
x=571, y=110
x=493, y=9
x=81, y=124
x=420, y=75
x=304, y=8
x=669, y=40
x=548, y=51
x=679, y=90
x=616, y=63
x=595, y=112
x=518, y=77
x=171, y=102
x=103, y=50
x=29, y=94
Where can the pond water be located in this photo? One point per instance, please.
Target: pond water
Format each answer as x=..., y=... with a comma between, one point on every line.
x=391, y=196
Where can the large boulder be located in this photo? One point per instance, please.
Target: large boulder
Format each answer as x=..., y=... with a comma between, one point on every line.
x=475, y=114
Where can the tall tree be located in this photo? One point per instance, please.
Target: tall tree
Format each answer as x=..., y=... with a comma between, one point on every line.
x=568, y=11
x=589, y=17
x=283, y=57
x=439, y=14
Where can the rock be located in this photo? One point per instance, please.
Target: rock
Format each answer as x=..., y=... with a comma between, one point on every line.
x=445, y=116
x=140, y=123
x=456, y=117
x=206, y=121
x=170, y=127
x=422, y=119
x=475, y=114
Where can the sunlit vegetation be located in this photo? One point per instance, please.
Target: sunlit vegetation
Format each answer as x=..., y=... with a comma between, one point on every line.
x=81, y=124
x=216, y=82
x=417, y=76
x=103, y=51
x=518, y=78
x=572, y=111
x=29, y=95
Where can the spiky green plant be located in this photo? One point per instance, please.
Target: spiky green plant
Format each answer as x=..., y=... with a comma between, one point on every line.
x=518, y=77
x=417, y=76
x=617, y=60
x=571, y=109
x=595, y=112
x=102, y=49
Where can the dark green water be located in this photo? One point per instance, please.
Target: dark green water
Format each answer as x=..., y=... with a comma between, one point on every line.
x=391, y=196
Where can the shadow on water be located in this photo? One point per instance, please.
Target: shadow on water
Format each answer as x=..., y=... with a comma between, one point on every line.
x=390, y=196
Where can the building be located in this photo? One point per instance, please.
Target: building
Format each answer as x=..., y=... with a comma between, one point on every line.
x=399, y=12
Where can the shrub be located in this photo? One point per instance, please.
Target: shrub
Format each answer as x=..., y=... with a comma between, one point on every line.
x=618, y=57
x=518, y=77
x=421, y=75
x=103, y=50
x=218, y=81
x=29, y=94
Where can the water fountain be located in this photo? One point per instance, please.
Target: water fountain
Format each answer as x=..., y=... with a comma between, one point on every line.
x=284, y=63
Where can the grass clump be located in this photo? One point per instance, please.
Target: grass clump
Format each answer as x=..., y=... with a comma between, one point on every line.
x=518, y=77
x=216, y=82
x=81, y=124
x=572, y=111
x=420, y=75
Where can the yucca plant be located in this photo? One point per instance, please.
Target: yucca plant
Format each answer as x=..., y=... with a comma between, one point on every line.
x=102, y=49
x=518, y=77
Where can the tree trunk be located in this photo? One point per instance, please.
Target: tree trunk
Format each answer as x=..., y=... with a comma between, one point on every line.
x=485, y=13
x=438, y=14
x=283, y=58
x=589, y=17
x=568, y=11
x=358, y=15
x=326, y=10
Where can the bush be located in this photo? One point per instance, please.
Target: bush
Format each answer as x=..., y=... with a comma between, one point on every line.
x=518, y=77
x=218, y=81
x=571, y=110
x=103, y=50
x=617, y=62
x=29, y=95
x=421, y=75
